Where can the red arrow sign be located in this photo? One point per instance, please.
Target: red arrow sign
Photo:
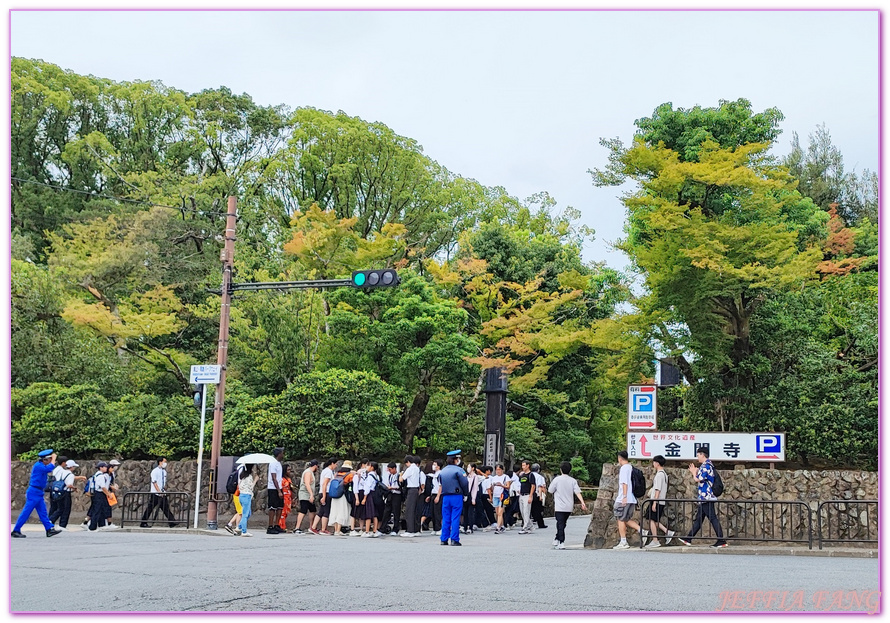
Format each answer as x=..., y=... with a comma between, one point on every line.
x=643, y=447
x=641, y=424
x=647, y=389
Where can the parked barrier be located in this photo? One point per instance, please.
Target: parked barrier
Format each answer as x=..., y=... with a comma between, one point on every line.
x=852, y=518
x=143, y=507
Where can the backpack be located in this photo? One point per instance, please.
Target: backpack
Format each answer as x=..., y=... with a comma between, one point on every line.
x=337, y=488
x=377, y=493
x=89, y=485
x=58, y=488
x=637, y=482
x=50, y=481
x=717, y=487
x=232, y=482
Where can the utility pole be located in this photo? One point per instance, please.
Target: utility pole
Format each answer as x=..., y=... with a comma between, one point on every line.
x=222, y=356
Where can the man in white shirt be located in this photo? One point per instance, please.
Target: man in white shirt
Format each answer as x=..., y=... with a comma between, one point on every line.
x=411, y=477
x=487, y=507
x=62, y=512
x=324, y=508
x=158, y=499
x=393, y=502
x=276, y=495
x=564, y=489
x=625, y=502
x=656, y=508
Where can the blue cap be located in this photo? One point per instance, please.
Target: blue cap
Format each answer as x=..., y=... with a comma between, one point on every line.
x=454, y=453
x=44, y=453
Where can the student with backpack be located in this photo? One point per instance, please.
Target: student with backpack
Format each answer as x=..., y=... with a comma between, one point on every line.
x=626, y=499
x=372, y=502
x=340, y=516
x=232, y=489
x=60, y=493
x=656, y=509
x=708, y=492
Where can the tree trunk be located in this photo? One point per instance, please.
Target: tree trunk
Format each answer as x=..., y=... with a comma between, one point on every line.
x=411, y=418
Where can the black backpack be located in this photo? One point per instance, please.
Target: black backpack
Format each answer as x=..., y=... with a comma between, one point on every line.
x=232, y=482
x=50, y=479
x=717, y=487
x=637, y=482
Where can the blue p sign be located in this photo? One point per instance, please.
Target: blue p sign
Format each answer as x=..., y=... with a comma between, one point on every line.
x=642, y=402
x=769, y=443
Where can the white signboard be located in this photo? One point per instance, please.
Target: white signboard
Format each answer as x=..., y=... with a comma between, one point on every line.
x=491, y=449
x=679, y=446
x=641, y=408
x=204, y=375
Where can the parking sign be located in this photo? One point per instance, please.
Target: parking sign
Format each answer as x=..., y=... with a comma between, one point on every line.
x=642, y=407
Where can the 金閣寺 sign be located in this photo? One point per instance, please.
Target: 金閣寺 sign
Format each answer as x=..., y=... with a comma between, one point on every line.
x=680, y=446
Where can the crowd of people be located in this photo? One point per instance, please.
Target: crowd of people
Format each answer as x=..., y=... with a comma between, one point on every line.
x=369, y=500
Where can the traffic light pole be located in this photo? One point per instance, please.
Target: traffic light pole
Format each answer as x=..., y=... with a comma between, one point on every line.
x=222, y=357
x=200, y=452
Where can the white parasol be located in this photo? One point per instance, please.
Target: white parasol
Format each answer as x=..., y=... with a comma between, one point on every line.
x=255, y=458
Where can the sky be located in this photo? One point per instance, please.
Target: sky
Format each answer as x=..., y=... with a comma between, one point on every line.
x=517, y=99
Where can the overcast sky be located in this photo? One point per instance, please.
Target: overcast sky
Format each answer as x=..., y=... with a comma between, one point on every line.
x=513, y=99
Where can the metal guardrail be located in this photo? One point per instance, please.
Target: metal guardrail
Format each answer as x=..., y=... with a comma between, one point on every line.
x=853, y=520
x=144, y=507
x=784, y=521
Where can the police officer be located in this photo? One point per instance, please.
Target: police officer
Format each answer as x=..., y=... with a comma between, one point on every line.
x=453, y=488
x=34, y=498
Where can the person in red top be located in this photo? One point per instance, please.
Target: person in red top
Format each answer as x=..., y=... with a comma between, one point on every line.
x=288, y=491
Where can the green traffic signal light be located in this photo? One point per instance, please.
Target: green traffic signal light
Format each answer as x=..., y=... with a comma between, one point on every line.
x=358, y=279
x=385, y=278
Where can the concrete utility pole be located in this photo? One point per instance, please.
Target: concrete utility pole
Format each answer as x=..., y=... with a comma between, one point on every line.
x=222, y=356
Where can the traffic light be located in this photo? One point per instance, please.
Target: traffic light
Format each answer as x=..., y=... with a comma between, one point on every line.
x=385, y=278
x=196, y=396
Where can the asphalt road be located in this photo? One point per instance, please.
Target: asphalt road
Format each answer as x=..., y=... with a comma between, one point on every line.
x=193, y=572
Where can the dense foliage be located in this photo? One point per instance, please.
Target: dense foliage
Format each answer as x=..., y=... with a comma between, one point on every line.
x=758, y=276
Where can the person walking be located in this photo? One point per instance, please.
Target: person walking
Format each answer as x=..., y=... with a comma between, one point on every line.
x=704, y=476
x=453, y=488
x=246, y=485
x=62, y=511
x=99, y=508
x=487, y=514
x=56, y=477
x=232, y=525
x=656, y=507
x=500, y=485
x=564, y=489
x=370, y=511
x=158, y=499
x=435, y=498
x=114, y=489
x=469, y=512
x=275, y=493
x=356, y=482
x=287, y=497
x=411, y=477
x=340, y=511
x=625, y=502
x=306, y=495
x=528, y=485
x=540, y=497
x=34, y=499
x=324, y=506
x=392, y=505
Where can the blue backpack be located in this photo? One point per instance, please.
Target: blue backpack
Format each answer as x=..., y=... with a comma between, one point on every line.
x=336, y=489
x=57, y=489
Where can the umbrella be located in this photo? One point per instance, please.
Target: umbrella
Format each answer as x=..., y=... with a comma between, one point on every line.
x=257, y=457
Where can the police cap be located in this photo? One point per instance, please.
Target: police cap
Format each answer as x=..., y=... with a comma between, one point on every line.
x=44, y=453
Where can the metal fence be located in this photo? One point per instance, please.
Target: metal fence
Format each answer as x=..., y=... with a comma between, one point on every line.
x=847, y=521
x=144, y=508
x=762, y=521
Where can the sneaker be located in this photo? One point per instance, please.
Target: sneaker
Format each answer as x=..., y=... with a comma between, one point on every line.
x=523, y=531
x=684, y=541
x=365, y=535
x=409, y=535
x=622, y=546
x=271, y=530
x=561, y=546
x=669, y=537
x=229, y=529
x=719, y=544
x=486, y=529
x=377, y=535
x=62, y=529
x=17, y=535
x=456, y=543
x=245, y=534
x=237, y=532
x=298, y=531
x=655, y=543
x=555, y=542
x=53, y=532
x=355, y=533
x=437, y=533
x=112, y=526
x=324, y=533
x=144, y=525
x=314, y=531
x=445, y=542
x=86, y=522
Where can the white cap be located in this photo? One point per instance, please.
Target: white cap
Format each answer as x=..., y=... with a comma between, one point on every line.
x=71, y=464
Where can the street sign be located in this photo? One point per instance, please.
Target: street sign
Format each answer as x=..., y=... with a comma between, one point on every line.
x=491, y=449
x=680, y=446
x=204, y=375
x=641, y=407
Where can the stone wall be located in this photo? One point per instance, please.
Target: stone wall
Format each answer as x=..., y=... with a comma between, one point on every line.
x=136, y=476
x=744, y=485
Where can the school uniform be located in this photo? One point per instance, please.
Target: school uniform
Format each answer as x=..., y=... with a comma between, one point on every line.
x=488, y=514
x=99, y=507
x=513, y=506
x=157, y=501
x=62, y=510
x=392, y=507
x=358, y=509
x=436, y=506
x=369, y=484
x=411, y=478
x=538, y=502
x=469, y=513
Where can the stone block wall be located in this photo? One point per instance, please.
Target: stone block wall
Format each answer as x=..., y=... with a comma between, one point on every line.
x=741, y=485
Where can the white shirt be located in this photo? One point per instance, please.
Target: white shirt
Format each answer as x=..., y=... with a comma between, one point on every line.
x=411, y=476
x=102, y=481
x=392, y=482
x=246, y=485
x=369, y=483
x=437, y=485
x=422, y=477
x=564, y=488
x=486, y=484
x=660, y=484
x=61, y=473
x=158, y=475
x=327, y=474
x=499, y=483
x=274, y=468
x=624, y=479
x=514, y=484
x=540, y=481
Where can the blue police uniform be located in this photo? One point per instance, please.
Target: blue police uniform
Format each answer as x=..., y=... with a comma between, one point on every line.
x=34, y=498
x=454, y=487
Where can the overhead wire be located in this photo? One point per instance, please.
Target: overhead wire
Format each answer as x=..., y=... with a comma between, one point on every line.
x=120, y=199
